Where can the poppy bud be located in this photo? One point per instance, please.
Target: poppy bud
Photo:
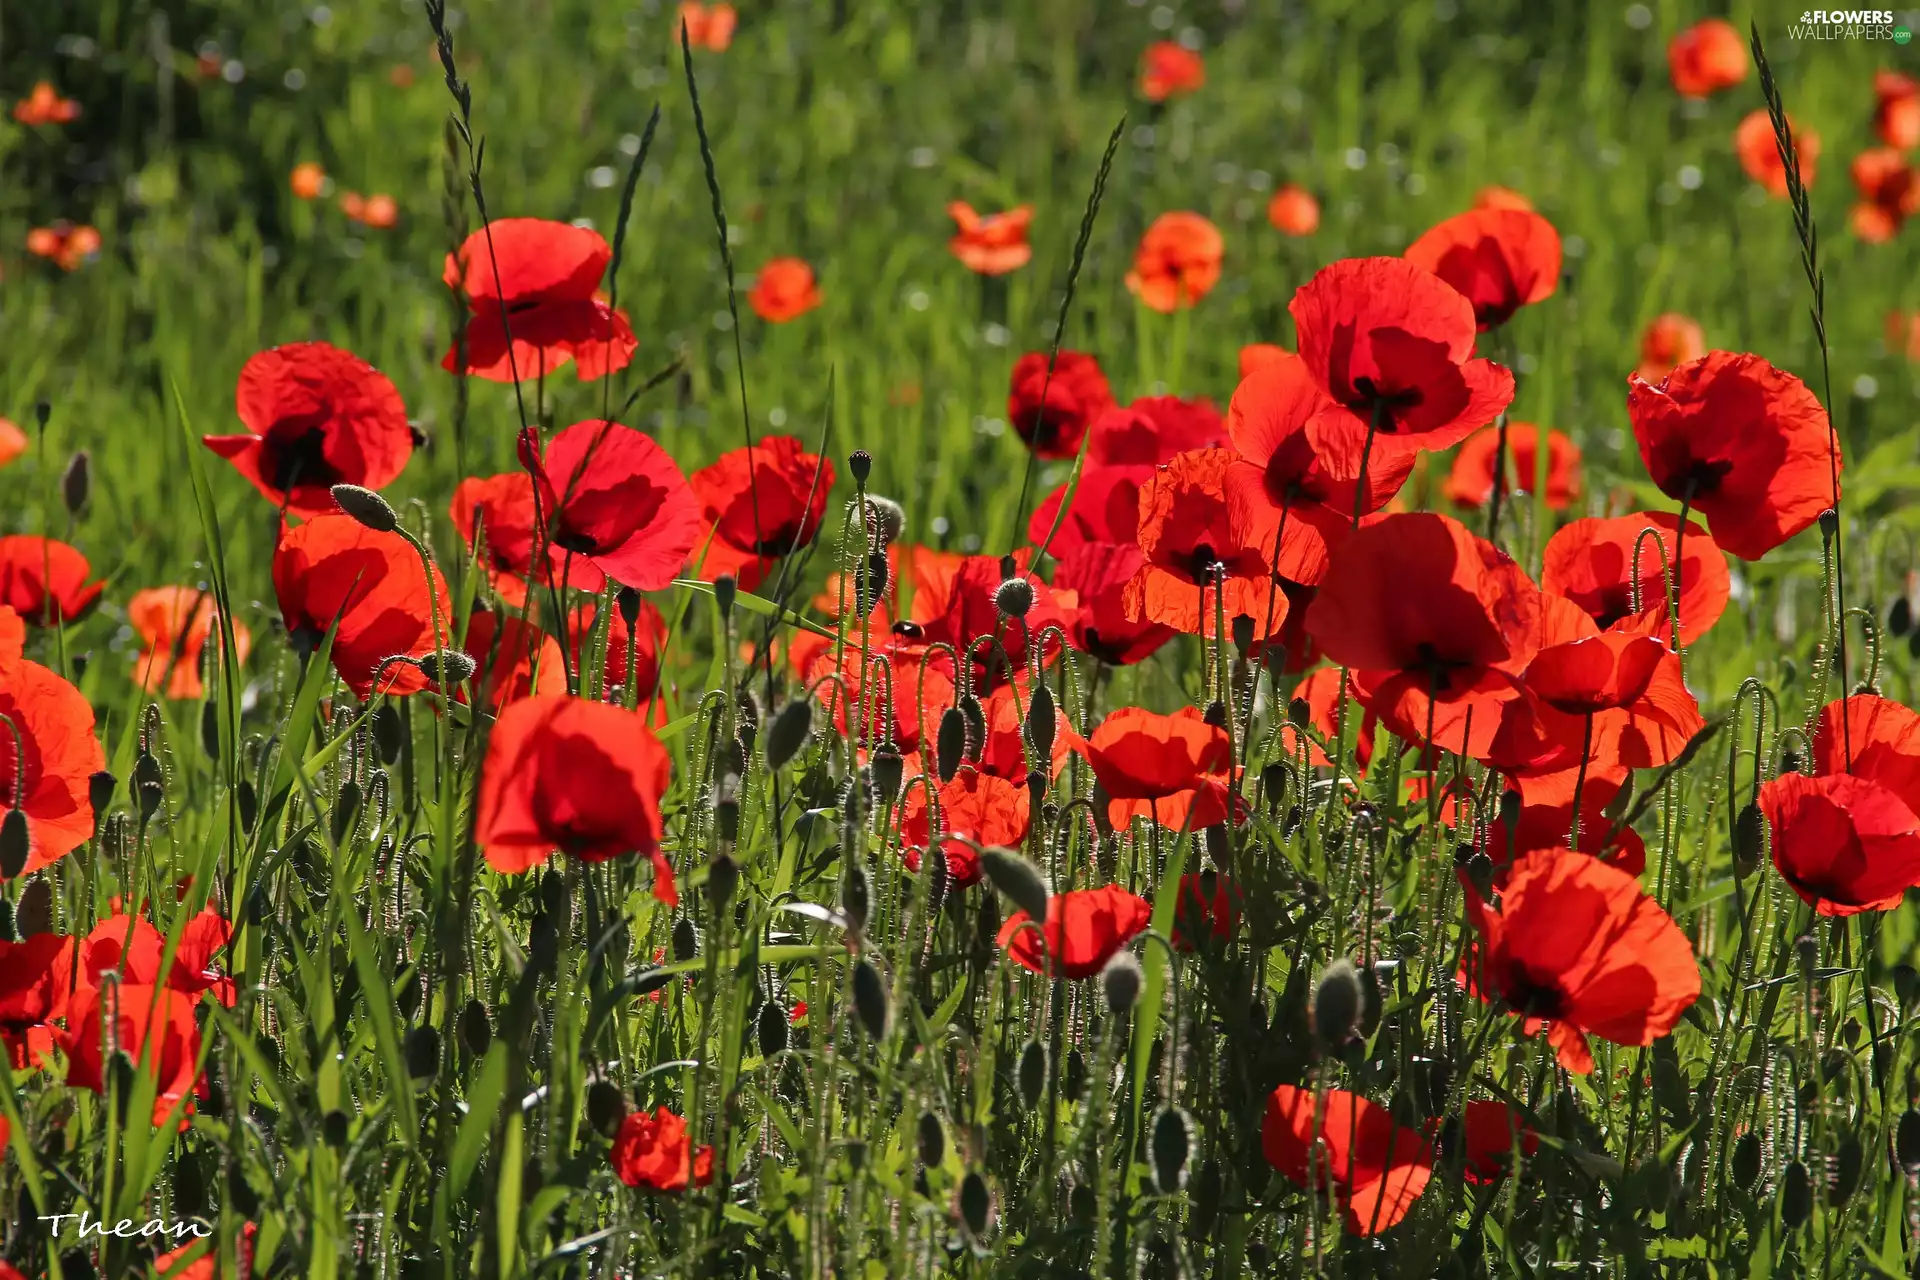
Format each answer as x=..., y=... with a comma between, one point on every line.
x=854, y=897
x=1906, y=984
x=555, y=901
x=366, y=506
x=950, y=743
x=1906, y=1141
x=14, y=844
x=1848, y=1163
x=627, y=601
x=886, y=520
x=1013, y=598
x=1336, y=1004
x=475, y=1032
x=986, y=925
x=1031, y=1073
x=791, y=727
x=543, y=944
x=723, y=878
x=606, y=1107
x=1083, y=1206
x=1807, y=949
x=1172, y=1146
x=870, y=582
x=1745, y=1162
x=1796, y=1195
x=423, y=1052
x=686, y=940
x=1042, y=721
x=1900, y=616
x=860, y=462
x=388, y=733
x=931, y=1137
x=1216, y=714
x=1829, y=524
x=975, y=1203
x=100, y=793
x=1241, y=631
x=975, y=718
x=447, y=667
x=1510, y=802
x=149, y=783
x=1018, y=879
x=770, y=1028
x=726, y=818
x=34, y=915
x=77, y=483
x=42, y=413
x=870, y=998
x=1749, y=839
x=724, y=588
x=1480, y=874
x=1120, y=982
x=649, y=980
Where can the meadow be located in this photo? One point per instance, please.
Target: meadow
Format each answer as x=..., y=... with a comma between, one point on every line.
x=861, y=638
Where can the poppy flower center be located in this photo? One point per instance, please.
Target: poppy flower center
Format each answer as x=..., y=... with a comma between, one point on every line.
x=1533, y=996
x=1387, y=403
x=1438, y=667
x=1204, y=563
x=1702, y=477
x=299, y=461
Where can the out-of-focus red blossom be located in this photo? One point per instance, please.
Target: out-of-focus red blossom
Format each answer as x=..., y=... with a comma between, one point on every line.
x=200, y=1259
x=1177, y=263
x=1757, y=147
x=1205, y=559
x=1392, y=343
x=784, y=290
x=1435, y=624
x=308, y=181
x=1171, y=769
x=1500, y=259
x=1742, y=443
x=543, y=295
x=152, y=1025
x=1903, y=333
x=174, y=625
x=1256, y=356
x=13, y=441
x=953, y=601
x=1105, y=508
x=45, y=106
x=1592, y=563
x=1293, y=211
x=45, y=581
x=892, y=676
x=1546, y=824
x=645, y=642
x=1084, y=929
x=1320, y=691
x=1491, y=1133
x=316, y=416
x=1577, y=948
x=1097, y=574
x=1470, y=482
x=1208, y=906
x=1896, y=113
x=581, y=777
x=652, y=1152
x=707, y=26
x=984, y=808
x=1626, y=685
x=992, y=245
x=130, y=949
x=65, y=245
x=1339, y=1141
x=1707, y=57
x=1669, y=341
x=1889, y=193
x=333, y=567
x=35, y=983
x=1153, y=429
x=612, y=495
x=516, y=659
x=1843, y=842
x=1052, y=411
x=769, y=504
x=1494, y=196
x=379, y=210
x=57, y=747
x=1170, y=70
x=1873, y=738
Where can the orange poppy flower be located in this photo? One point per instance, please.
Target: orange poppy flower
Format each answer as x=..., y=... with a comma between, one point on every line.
x=1177, y=263
x=1889, y=193
x=1883, y=737
x=151, y=1025
x=1843, y=842
x=64, y=244
x=1669, y=340
x=783, y=291
x=1903, y=333
x=1759, y=152
x=1626, y=686
x=1293, y=211
x=1896, y=115
x=174, y=625
x=45, y=106
x=515, y=659
x=378, y=211
x=1494, y=196
x=993, y=245
x=1170, y=769
x=1470, y=483
x=1375, y=1168
x=309, y=180
x=1169, y=70
x=1707, y=57
x=13, y=441
x=708, y=26
x=1095, y=575
x=36, y=981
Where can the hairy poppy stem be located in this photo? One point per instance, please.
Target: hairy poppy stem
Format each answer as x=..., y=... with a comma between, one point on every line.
x=1580, y=782
x=1499, y=479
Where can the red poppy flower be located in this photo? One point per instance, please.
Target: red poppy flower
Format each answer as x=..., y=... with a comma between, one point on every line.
x=34, y=985
x=953, y=602
x=1546, y=821
x=1258, y=355
x=1435, y=624
x=582, y=777
x=1391, y=341
x=13, y=441
x=1884, y=740
x=1096, y=574
x=1084, y=929
x=1494, y=196
x=1205, y=557
x=153, y=1026
x=516, y=659
x=1005, y=751
x=65, y=245
x=1896, y=114
x=1491, y=1133
x=308, y=181
x=1166, y=768
x=993, y=245
x=1669, y=341
x=316, y=416
x=616, y=498
x=1577, y=947
x=200, y=1260
x=1208, y=905
x=1169, y=70
x=1470, y=483
x=1759, y=151
x=174, y=625
x=45, y=581
x=1293, y=211
x=1340, y=1141
x=1741, y=442
x=1105, y=509
x=500, y=510
x=1321, y=694
x=1889, y=193
x=652, y=1152
x=1707, y=57
x=1628, y=685
x=1177, y=263
x=1299, y=467
x=1903, y=333
x=379, y=210
x=1153, y=429
x=783, y=291
x=335, y=567
x=903, y=699
x=986, y=809
x=130, y=949
x=648, y=647
x=53, y=722
x=770, y=505
x=708, y=26
x=1591, y=562
x=1501, y=259
x=45, y=106
x=534, y=281
x=1053, y=421
x=1843, y=842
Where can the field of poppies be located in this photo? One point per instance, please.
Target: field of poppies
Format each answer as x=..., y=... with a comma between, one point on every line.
x=1094, y=639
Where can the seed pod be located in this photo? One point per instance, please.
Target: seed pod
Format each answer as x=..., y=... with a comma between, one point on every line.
x=723, y=879
x=1796, y=1194
x=771, y=1028
x=606, y=1107
x=1745, y=1162
x=423, y=1052
x=1172, y=1146
x=100, y=794
x=366, y=506
x=388, y=733
x=1241, y=632
x=475, y=1032
x=870, y=998
x=447, y=667
x=1031, y=1073
x=686, y=940
x=1479, y=871
x=1018, y=879
x=1749, y=839
x=149, y=784
x=1829, y=524
x=1042, y=722
x=789, y=732
x=1120, y=982
x=932, y=1140
x=950, y=743
x=975, y=1203
x=34, y=914
x=1336, y=1004
x=860, y=462
x=210, y=729
x=76, y=485
x=854, y=897
x=1848, y=1163
x=15, y=844
x=1900, y=616
x=1013, y=598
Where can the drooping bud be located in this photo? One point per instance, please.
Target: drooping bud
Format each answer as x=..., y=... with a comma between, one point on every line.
x=1031, y=1073
x=149, y=784
x=1018, y=879
x=1120, y=982
x=100, y=794
x=685, y=940
x=870, y=998
x=1900, y=616
x=1796, y=1193
x=1042, y=722
x=950, y=743
x=1171, y=1146
x=854, y=897
x=389, y=734
x=887, y=520
x=34, y=915
x=627, y=601
x=606, y=1107
x=724, y=589
x=76, y=485
x=14, y=844
x=1336, y=1005
x=475, y=1032
x=791, y=727
x=771, y=1028
x=975, y=1202
x=888, y=769
x=447, y=667
x=366, y=506
x=1749, y=839
x=931, y=1138
x=1013, y=598
x=723, y=879
x=1744, y=1164
x=423, y=1051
